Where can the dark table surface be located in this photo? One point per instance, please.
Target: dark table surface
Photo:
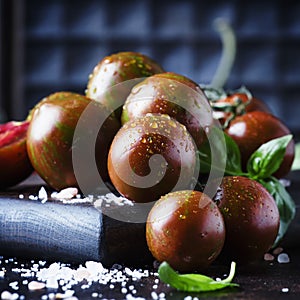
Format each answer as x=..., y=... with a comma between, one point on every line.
x=261, y=280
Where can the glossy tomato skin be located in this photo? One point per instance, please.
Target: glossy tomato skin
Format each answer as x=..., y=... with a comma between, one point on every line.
x=115, y=69
x=251, y=218
x=50, y=137
x=153, y=139
x=254, y=104
x=186, y=229
x=15, y=165
x=175, y=95
x=253, y=129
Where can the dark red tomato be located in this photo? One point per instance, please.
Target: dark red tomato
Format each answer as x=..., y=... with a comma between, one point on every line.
x=50, y=137
x=251, y=218
x=240, y=104
x=174, y=95
x=117, y=68
x=150, y=156
x=186, y=229
x=253, y=129
x=15, y=165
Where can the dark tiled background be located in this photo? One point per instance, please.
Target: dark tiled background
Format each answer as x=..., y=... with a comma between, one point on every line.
x=63, y=40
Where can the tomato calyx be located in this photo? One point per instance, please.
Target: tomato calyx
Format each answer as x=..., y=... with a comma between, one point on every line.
x=12, y=131
x=227, y=105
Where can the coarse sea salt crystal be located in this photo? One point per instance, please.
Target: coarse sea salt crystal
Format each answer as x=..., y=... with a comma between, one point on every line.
x=66, y=295
x=52, y=283
x=42, y=195
x=14, y=285
x=285, y=290
x=154, y=295
x=67, y=193
x=277, y=250
x=36, y=285
x=2, y=273
x=268, y=257
x=283, y=258
x=6, y=295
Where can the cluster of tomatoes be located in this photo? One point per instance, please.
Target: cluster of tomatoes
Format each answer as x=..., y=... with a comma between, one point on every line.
x=147, y=147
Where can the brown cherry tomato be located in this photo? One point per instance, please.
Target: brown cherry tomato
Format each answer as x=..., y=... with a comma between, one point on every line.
x=50, y=137
x=150, y=156
x=175, y=95
x=114, y=69
x=253, y=129
x=251, y=218
x=186, y=229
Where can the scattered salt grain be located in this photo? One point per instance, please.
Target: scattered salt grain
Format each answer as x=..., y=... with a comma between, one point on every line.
x=154, y=296
x=52, y=283
x=111, y=198
x=283, y=258
x=14, y=285
x=6, y=295
x=67, y=193
x=81, y=273
x=2, y=273
x=42, y=195
x=66, y=295
x=285, y=290
x=277, y=250
x=268, y=257
x=36, y=285
x=21, y=196
x=32, y=197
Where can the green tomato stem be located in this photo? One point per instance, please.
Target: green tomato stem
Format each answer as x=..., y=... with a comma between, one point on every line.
x=228, y=53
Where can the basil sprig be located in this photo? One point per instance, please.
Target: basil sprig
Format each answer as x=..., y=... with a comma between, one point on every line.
x=261, y=165
x=194, y=282
x=285, y=204
x=267, y=158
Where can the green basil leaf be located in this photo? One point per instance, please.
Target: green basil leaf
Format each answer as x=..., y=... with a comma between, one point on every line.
x=225, y=149
x=193, y=282
x=296, y=162
x=285, y=204
x=268, y=157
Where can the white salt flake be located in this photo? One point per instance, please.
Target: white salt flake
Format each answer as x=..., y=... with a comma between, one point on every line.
x=285, y=290
x=14, y=285
x=277, y=250
x=36, y=285
x=21, y=196
x=6, y=295
x=52, y=283
x=81, y=273
x=67, y=193
x=268, y=257
x=283, y=258
x=42, y=195
x=2, y=273
x=93, y=267
x=154, y=296
x=66, y=295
